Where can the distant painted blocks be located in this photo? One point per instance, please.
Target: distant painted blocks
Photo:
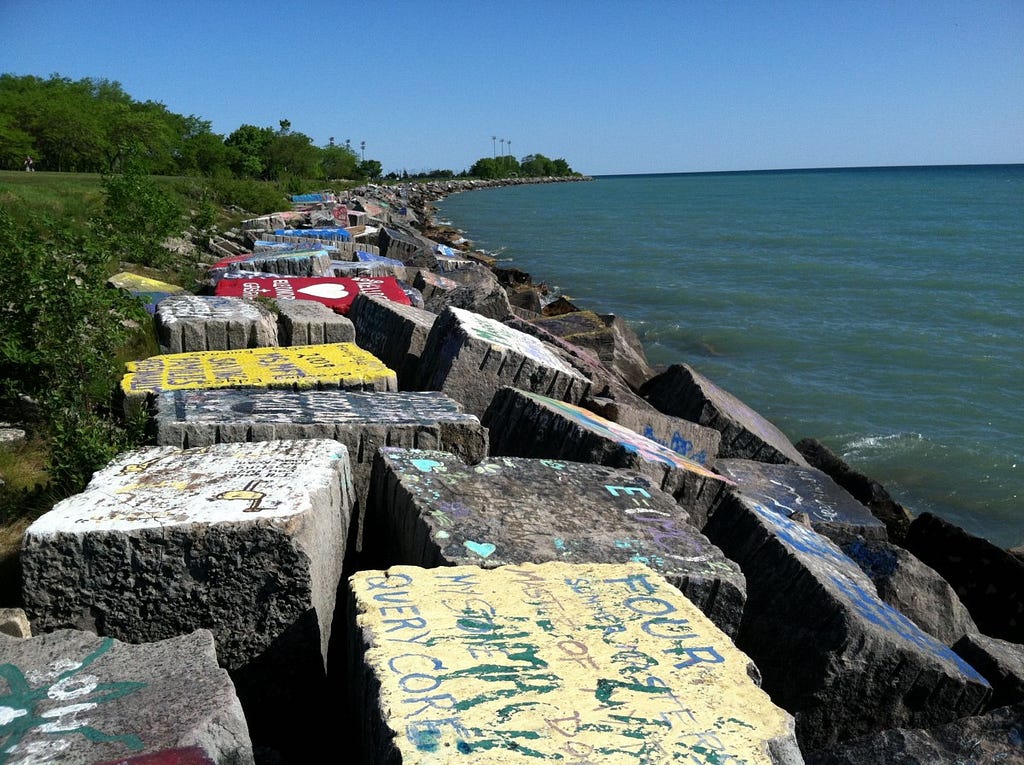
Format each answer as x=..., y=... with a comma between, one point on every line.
x=428, y=508
x=556, y=662
x=470, y=357
x=246, y=540
x=75, y=698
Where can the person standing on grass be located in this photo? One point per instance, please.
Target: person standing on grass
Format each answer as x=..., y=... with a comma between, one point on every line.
x=28, y=165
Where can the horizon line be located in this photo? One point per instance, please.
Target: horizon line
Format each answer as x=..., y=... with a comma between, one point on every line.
x=808, y=169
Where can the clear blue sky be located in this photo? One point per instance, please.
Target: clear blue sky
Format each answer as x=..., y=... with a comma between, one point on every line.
x=611, y=87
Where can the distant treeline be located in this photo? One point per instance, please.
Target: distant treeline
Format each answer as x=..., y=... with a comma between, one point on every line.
x=93, y=126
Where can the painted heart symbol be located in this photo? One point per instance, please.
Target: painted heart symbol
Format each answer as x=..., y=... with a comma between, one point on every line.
x=483, y=549
x=428, y=466
x=327, y=291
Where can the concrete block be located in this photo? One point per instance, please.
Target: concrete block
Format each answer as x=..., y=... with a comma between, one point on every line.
x=792, y=489
x=428, y=508
x=303, y=367
x=681, y=391
x=363, y=422
x=246, y=540
x=74, y=698
x=843, y=662
x=337, y=293
x=552, y=662
x=394, y=333
x=693, y=441
x=470, y=357
x=1002, y=664
x=526, y=424
x=188, y=323
x=307, y=322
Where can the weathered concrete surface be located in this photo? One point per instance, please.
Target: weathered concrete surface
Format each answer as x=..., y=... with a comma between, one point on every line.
x=683, y=392
x=396, y=334
x=363, y=422
x=831, y=652
x=187, y=323
x=476, y=289
x=332, y=365
x=865, y=490
x=610, y=337
x=912, y=588
x=988, y=579
x=428, y=508
x=791, y=489
x=74, y=698
x=14, y=622
x=1000, y=662
x=246, y=540
x=524, y=424
x=307, y=322
x=470, y=357
x=556, y=662
x=686, y=438
x=995, y=738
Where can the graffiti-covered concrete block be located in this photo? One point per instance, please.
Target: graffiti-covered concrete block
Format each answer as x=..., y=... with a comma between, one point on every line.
x=526, y=424
x=332, y=365
x=337, y=293
x=830, y=651
x=187, y=323
x=75, y=698
x=551, y=662
x=693, y=441
x=307, y=322
x=246, y=540
x=683, y=392
x=394, y=333
x=428, y=508
x=792, y=489
x=362, y=421
x=470, y=357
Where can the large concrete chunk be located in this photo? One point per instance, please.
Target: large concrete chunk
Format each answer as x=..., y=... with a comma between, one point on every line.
x=470, y=357
x=988, y=579
x=476, y=289
x=1001, y=663
x=995, y=738
x=526, y=424
x=337, y=293
x=428, y=508
x=556, y=662
x=609, y=336
x=830, y=651
x=74, y=698
x=187, y=323
x=362, y=421
x=307, y=322
x=693, y=441
x=394, y=333
x=246, y=540
x=683, y=392
x=912, y=588
x=333, y=365
x=791, y=490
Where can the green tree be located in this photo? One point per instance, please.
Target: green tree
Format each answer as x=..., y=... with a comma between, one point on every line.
x=292, y=155
x=370, y=168
x=249, y=144
x=338, y=162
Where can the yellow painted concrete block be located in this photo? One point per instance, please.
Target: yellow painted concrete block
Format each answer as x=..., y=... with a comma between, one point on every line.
x=598, y=663
x=126, y=280
x=340, y=365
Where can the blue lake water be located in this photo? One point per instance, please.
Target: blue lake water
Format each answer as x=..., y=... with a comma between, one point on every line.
x=879, y=310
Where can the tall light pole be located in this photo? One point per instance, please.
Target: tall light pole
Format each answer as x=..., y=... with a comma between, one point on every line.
x=510, y=153
x=362, y=151
x=494, y=151
x=502, y=140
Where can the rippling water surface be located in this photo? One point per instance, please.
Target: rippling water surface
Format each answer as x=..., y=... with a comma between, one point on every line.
x=880, y=310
